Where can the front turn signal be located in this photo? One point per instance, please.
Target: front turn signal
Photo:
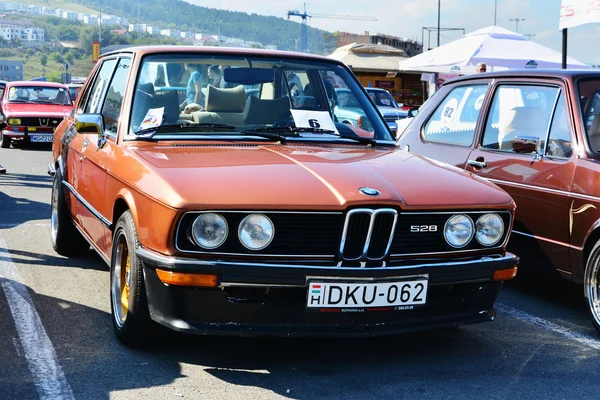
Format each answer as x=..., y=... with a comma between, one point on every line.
x=505, y=274
x=184, y=279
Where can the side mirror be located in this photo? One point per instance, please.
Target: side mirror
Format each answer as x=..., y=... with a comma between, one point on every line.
x=526, y=144
x=413, y=112
x=89, y=123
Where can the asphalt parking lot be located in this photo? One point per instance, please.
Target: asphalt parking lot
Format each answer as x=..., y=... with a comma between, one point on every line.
x=56, y=338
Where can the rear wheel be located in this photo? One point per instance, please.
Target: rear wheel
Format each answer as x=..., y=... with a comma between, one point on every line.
x=129, y=305
x=591, y=284
x=66, y=240
x=4, y=141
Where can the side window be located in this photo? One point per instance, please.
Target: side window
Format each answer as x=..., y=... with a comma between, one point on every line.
x=559, y=141
x=114, y=98
x=94, y=103
x=519, y=111
x=455, y=119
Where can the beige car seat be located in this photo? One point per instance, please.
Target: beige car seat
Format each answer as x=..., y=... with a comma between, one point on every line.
x=223, y=106
x=522, y=121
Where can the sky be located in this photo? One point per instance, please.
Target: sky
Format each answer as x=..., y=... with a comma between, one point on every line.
x=406, y=18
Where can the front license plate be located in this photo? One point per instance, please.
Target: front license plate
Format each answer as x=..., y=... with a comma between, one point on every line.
x=367, y=294
x=31, y=128
x=41, y=138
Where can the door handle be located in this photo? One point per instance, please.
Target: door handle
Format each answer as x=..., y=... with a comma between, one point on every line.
x=477, y=164
x=85, y=143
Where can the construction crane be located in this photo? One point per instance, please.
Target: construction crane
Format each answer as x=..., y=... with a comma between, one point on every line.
x=305, y=16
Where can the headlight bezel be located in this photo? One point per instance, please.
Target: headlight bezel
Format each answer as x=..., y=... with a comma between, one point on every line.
x=472, y=224
x=241, y=224
x=502, y=233
x=222, y=241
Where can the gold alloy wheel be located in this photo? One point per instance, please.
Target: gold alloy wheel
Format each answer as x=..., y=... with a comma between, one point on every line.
x=121, y=279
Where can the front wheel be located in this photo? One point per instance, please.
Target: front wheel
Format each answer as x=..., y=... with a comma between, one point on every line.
x=129, y=305
x=591, y=284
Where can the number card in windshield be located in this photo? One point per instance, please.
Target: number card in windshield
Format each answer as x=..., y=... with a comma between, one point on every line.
x=313, y=119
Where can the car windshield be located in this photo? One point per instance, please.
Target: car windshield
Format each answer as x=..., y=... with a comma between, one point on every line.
x=39, y=94
x=382, y=98
x=239, y=95
x=589, y=105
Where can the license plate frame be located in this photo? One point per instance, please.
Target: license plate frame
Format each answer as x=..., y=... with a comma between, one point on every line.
x=41, y=138
x=362, y=293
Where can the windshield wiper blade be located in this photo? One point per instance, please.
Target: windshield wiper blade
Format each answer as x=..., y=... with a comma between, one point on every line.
x=47, y=102
x=148, y=133
x=19, y=101
x=296, y=130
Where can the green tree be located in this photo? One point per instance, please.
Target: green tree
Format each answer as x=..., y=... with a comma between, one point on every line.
x=69, y=58
x=43, y=59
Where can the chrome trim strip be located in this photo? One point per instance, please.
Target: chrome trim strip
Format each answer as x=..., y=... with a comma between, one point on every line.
x=162, y=260
x=542, y=189
x=327, y=256
x=365, y=279
x=455, y=212
x=257, y=285
x=548, y=240
x=51, y=169
x=87, y=205
x=373, y=214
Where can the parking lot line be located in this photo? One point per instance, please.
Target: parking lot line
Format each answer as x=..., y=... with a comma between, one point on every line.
x=549, y=326
x=47, y=374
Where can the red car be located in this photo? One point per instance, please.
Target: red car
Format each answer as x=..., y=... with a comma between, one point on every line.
x=31, y=111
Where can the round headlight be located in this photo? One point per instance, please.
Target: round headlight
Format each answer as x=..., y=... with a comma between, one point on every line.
x=256, y=231
x=210, y=230
x=489, y=229
x=459, y=230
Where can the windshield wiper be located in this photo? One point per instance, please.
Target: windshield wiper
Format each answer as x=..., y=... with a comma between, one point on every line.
x=19, y=101
x=47, y=102
x=148, y=133
x=296, y=130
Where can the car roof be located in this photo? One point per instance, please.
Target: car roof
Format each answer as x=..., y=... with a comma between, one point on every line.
x=234, y=51
x=36, y=83
x=565, y=74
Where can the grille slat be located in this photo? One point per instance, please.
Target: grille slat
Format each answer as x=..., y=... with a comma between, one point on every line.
x=382, y=230
x=356, y=236
x=370, y=229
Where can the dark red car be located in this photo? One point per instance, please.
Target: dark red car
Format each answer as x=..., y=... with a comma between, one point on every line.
x=31, y=111
x=537, y=135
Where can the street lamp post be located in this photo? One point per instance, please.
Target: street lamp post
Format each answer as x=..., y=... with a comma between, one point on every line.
x=100, y=22
x=438, y=26
x=219, y=34
x=495, y=10
x=517, y=20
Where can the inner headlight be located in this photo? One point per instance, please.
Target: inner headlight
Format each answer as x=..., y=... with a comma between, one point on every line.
x=210, y=230
x=459, y=230
x=14, y=121
x=489, y=229
x=256, y=231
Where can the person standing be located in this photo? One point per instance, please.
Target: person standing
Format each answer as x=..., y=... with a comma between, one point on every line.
x=481, y=67
x=194, y=86
x=214, y=76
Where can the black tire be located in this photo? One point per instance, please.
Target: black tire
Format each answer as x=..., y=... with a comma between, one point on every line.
x=66, y=239
x=591, y=284
x=4, y=141
x=132, y=323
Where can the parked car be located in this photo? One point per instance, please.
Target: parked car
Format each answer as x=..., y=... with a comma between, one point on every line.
x=392, y=112
x=74, y=89
x=536, y=134
x=254, y=216
x=31, y=111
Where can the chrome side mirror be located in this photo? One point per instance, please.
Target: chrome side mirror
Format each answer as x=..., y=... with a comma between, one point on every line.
x=91, y=123
x=413, y=112
x=527, y=144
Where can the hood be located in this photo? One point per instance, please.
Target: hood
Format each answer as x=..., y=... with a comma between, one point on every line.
x=392, y=111
x=35, y=110
x=300, y=177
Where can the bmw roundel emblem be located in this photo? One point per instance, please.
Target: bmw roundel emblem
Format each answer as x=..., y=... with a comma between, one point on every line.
x=369, y=191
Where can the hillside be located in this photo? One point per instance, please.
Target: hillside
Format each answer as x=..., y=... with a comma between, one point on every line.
x=184, y=16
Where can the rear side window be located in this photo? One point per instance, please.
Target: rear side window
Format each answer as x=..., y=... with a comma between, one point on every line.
x=455, y=119
x=94, y=104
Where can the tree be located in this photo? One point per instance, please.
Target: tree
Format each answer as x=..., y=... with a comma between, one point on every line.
x=43, y=59
x=69, y=58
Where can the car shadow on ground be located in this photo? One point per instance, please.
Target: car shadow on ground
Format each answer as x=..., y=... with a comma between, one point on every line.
x=15, y=211
x=25, y=180
x=89, y=260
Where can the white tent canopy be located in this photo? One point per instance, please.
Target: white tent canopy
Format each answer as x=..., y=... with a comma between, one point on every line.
x=499, y=48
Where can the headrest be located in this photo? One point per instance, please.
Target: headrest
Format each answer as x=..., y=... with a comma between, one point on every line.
x=595, y=127
x=146, y=87
x=225, y=100
x=263, y=111
x=525, y=118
